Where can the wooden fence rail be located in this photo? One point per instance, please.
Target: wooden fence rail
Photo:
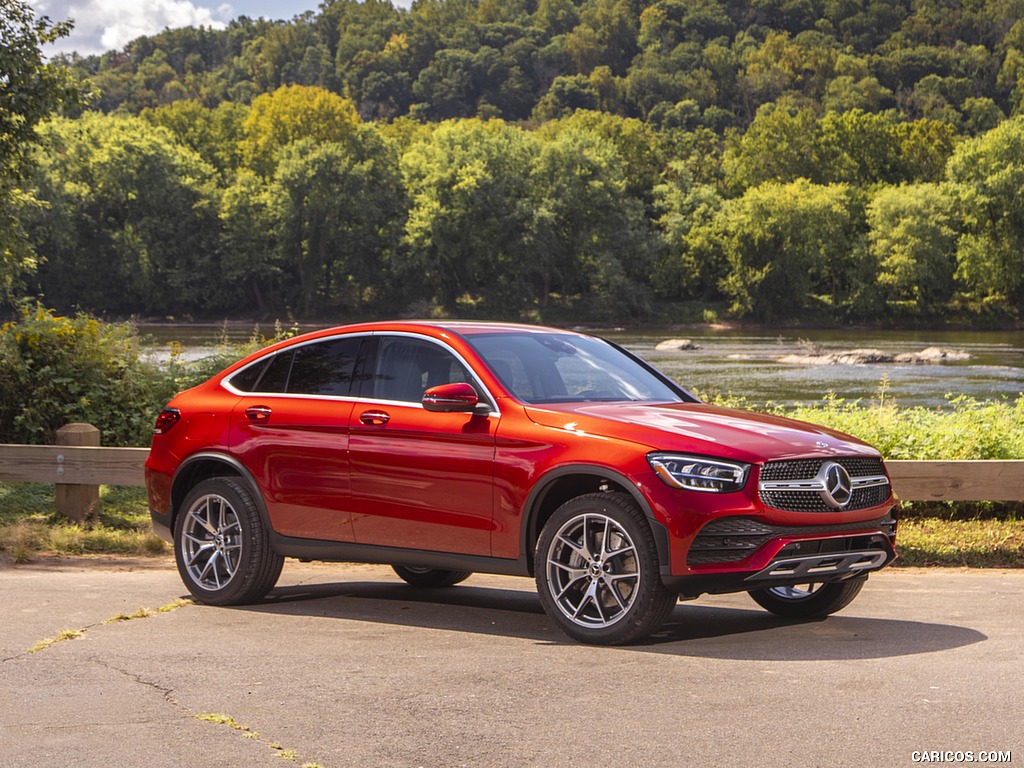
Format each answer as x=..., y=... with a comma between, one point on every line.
x=912, y=480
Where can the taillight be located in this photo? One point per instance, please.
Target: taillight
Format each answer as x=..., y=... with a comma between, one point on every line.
x=168, y=418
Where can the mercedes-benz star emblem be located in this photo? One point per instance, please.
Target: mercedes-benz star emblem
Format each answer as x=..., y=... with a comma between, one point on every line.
x=838, y=487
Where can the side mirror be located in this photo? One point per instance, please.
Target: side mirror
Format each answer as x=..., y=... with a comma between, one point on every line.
x=450, y=398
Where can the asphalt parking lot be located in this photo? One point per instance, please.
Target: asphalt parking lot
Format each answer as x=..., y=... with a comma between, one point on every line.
x=347, y=666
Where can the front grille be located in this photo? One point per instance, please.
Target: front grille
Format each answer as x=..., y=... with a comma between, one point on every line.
x=811, y=500
x=731, y=539
x=801, y=469
x=802, y=501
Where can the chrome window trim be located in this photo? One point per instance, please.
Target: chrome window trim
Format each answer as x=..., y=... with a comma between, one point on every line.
x=493, y=401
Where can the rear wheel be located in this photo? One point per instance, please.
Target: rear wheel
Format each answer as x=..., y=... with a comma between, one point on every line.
x=430, y=577
x=596, y=566
x=221, y=546
x=808, y=601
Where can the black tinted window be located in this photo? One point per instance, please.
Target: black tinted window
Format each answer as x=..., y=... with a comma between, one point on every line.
x=406, y=368
x=245, y=381
x=275, y=377
x=324, y=368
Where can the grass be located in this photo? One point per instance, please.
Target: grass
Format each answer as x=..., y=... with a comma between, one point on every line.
x=74, y=634
x=64, y=634
x=30, y=527
x=985, y=543
x=218, y=718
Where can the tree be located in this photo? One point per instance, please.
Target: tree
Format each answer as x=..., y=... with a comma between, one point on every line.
x=130, y=219
x=987, y=175
x=30, y=90
x=789, y=248
x=291, y=113
x=858, y=147
x=470, y=211
x=214, y=134
x=250, y=259
x=780, y=145
x=338, y=213
x=590, y=236
x=913, y=239
x=688, y=268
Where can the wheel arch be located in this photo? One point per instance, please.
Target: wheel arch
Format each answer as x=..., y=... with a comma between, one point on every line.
x=203, y=466
x=567, y=482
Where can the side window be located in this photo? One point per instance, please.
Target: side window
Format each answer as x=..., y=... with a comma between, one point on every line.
x=324, y=368
x=245, y=380
x=407, y=367
x=321, y=368
x=275, y=377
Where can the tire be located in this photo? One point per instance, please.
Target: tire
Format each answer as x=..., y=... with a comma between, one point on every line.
x=221, y=546
x=430, y=577
x=597, y=571
x=808, y=601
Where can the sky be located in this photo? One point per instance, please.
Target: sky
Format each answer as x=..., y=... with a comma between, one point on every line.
x=104, y=25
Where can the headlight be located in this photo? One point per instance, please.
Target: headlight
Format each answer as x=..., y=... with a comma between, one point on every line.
x=699, y=473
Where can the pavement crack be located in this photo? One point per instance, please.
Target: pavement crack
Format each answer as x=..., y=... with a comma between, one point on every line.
x=152, y=685
x=74, y=634
x=215, y=718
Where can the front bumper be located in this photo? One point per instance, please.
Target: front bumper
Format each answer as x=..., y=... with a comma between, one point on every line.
x=796, y=562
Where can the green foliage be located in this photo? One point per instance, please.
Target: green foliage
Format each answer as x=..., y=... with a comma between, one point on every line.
x=59, y=370
x=30, y=87
x=968, y=429
x=466, y=233
x=784, y=245
x=644, y=150
x=130, y=218
x=913, y=238
x=987, y=175
x=338, y=214
x=30, y=90
x=292, y=113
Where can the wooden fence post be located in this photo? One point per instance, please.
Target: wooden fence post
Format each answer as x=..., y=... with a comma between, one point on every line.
x=76, y=502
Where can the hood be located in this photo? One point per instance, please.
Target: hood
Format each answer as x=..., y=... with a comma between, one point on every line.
x=702, y=429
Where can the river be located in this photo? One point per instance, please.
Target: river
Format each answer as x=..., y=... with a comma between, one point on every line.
x=750, y=363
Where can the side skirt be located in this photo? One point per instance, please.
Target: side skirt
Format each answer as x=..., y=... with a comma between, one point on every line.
x=348, y=552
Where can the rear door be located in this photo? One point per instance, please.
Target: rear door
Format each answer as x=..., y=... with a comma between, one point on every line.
x=291, y=431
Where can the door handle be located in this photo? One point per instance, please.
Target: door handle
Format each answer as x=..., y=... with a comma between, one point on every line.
x=257, y=413
x=374, y=418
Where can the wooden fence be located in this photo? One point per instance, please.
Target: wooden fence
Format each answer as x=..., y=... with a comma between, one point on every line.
x=911, y=480
x=85, y=467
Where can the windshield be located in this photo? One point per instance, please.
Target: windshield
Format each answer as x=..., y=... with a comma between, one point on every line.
x=557, y=368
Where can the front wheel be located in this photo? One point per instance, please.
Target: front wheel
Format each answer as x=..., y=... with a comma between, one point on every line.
x=596, y=566
x=430, y=577
x=808, y=601
x=221, y=546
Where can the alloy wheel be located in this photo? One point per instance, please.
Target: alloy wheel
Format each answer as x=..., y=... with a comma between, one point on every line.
x=211, y=542
x=593, y=571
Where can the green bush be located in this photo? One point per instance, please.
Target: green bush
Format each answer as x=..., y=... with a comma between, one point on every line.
x=58, y=370
x=969, y=429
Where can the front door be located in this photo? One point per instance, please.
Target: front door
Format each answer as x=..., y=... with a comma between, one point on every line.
x=420, y=480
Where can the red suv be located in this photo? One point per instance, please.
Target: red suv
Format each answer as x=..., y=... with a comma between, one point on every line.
x=448, y=448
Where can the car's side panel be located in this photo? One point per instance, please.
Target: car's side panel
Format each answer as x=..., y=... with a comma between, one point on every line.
x=420, y=479
x=297, y=450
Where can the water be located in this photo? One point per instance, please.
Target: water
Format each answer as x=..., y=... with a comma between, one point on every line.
x=747, y=362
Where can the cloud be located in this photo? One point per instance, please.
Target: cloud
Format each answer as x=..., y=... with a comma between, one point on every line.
x=103, y=25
